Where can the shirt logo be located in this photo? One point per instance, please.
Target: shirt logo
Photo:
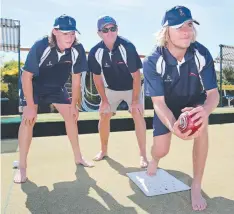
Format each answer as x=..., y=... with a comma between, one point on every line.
x=49, y=64
x=168, y=79
x=69, y=62
x=106, y=65
x=120, y=62
x=192, y=74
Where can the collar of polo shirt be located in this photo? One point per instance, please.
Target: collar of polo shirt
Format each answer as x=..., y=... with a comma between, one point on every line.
x=171, y=60
x=116, y=44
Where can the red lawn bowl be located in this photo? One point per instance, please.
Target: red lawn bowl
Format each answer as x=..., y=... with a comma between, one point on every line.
x=186, y=123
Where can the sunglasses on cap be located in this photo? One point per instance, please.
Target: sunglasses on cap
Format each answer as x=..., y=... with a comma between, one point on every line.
x=106, y=30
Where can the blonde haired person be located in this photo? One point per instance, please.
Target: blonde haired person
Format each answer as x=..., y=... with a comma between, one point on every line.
x=162, y=36
x=180, y=76
x=47, y=68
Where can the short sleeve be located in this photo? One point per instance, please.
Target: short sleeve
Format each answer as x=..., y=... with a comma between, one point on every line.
x=33, y=59
x=81, y=64
x=208, y=74
x=94, y=66
x=153, y=82
x=133, y=59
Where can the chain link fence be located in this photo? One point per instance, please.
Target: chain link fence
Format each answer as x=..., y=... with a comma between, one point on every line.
x=226, y=75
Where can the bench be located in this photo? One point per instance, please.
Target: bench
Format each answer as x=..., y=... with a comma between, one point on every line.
x=227, y=96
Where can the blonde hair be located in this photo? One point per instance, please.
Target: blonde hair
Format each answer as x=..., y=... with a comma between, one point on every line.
x=52, y=40
x=162, y=36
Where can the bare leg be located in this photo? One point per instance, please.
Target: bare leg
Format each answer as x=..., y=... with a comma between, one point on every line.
x=72, y=132
x=104, y=132
x=25, y=138
x=160, y=148
x=140, y=129
x=200, y=151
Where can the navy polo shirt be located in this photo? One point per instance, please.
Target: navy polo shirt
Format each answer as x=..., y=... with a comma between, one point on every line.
x=115, y=66
x=181, y=83
x=51, y=68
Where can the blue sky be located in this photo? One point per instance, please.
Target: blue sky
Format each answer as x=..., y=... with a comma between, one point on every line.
x=138, y=20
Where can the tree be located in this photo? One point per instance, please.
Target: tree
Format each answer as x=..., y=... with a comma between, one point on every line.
x=9, y=79
x=228, y=72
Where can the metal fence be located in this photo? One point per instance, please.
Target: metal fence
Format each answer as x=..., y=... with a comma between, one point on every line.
x=226, y=77
x=10, y=37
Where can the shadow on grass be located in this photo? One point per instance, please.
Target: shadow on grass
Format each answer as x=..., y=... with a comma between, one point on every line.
x=178, y=203
x=72, y=197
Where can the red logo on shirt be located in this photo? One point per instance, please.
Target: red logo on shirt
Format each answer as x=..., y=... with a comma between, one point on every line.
x=192, y=74
x=69, y=62
x=120, y=62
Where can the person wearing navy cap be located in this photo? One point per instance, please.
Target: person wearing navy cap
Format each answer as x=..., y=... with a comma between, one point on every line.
x=180, y=76
x=48, y=66
x=116, y=65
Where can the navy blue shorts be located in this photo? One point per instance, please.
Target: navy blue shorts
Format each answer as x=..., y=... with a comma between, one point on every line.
x=60, y=96
x=159, y=128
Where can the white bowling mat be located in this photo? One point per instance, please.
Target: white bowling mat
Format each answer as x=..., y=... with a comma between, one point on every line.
x=161, y=183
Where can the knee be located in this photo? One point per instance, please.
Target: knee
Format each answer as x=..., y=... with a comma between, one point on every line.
x=136, y=114
x=205, y=124
x=161, y=146
x=204, y=131
x=27, y=124
x=105, y=117
x=203, y=137
x=159, y=152
x=68, y=118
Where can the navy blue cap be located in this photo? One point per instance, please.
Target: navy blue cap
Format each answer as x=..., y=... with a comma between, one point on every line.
x=177, y=16
x=65, y=23
x=105, y=20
